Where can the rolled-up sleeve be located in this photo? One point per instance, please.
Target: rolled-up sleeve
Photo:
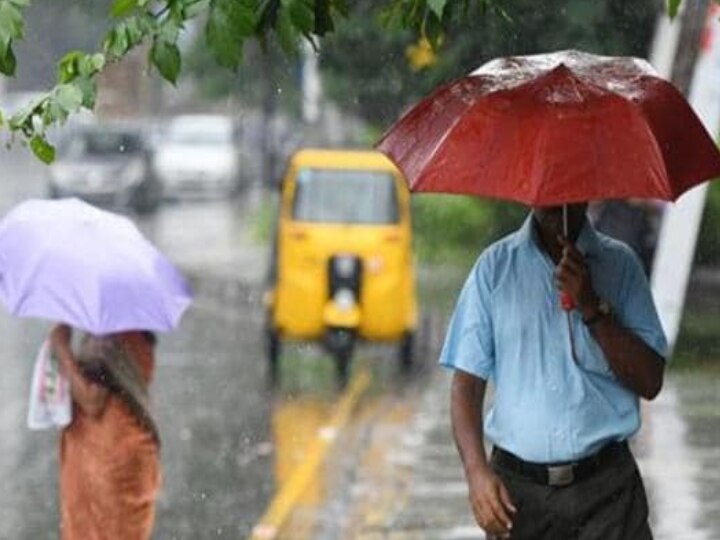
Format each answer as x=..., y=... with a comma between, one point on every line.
x=637, y=311
x=469, y=340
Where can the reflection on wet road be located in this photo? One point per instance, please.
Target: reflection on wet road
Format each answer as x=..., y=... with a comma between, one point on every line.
x=678, y=452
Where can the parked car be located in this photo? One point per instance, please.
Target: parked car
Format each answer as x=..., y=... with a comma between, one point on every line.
x=199, y=155
x=107, y=165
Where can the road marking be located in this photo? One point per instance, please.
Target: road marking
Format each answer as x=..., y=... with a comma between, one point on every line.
x=282, y=505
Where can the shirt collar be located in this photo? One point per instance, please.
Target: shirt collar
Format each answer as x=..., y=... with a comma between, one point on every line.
x=587, y=242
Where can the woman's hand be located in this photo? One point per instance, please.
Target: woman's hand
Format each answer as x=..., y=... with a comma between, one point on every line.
x=60, y=336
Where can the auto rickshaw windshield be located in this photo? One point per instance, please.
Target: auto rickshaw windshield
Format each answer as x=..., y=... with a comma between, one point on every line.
x=346, y=196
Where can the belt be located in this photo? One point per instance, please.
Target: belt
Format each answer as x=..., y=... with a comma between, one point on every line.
x=561, y=474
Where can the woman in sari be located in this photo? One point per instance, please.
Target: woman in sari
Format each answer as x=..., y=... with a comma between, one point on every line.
x=109, y=454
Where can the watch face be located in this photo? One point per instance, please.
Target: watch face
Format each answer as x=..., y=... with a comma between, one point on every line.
x=604, y=307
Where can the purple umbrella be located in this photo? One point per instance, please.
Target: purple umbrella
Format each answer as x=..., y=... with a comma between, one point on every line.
x=71, y=262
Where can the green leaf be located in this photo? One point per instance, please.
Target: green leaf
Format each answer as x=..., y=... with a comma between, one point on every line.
x=121, y=8
x=673, y=6
x=20, y=3
x=323, y=18
x=22, y=117
x=302, y=15
x=89, y=92
x=8, y=63
x=287, y=36
x=169, y=31
x=68, y=67
x=97, y=61
x=11, y=23
x=69, y=97
x=116, y=42
x=193, y=9
x=2, y=119
x=54, y=113
x=437, y=6
x=133, y=31
x=166, y=57
x=42, y=149
x=229, y=24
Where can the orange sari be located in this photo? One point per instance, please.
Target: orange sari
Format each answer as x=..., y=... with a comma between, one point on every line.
x=110, y=467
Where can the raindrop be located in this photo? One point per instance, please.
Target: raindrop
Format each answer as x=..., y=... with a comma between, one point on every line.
x=264, y=448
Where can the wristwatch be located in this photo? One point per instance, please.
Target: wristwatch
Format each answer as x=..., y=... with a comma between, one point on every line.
x=602, y=309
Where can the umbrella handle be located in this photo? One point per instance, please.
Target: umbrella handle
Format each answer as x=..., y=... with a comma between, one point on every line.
x=566, y=301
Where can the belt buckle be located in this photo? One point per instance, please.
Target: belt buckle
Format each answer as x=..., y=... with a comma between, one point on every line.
x=560, y=475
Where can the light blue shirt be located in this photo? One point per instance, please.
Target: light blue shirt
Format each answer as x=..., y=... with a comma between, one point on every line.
x=508, y=328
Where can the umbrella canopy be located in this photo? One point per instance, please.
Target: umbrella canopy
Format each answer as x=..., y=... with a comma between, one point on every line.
x=553, y=129
x=69, y=261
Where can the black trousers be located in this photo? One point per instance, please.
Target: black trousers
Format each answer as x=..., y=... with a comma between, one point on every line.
x=609, y=505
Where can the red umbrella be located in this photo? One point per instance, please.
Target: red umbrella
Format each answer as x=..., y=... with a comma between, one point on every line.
x=553, y=129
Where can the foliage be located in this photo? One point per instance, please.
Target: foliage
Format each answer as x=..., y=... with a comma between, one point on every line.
x=379, y=81
x=451, y=229
x=708, y=247
x=673, y=7
x=229, y=24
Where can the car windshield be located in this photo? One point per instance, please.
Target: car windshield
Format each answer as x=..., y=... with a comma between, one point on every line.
x=200, y=134
x=345, y=196
x=100, y=144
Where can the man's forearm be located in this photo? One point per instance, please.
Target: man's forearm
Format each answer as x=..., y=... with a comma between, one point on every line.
x=466, y=413
x=630, y=358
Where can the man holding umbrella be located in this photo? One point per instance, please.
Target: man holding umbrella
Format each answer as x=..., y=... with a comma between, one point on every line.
x=565, y=396
x=558, y=318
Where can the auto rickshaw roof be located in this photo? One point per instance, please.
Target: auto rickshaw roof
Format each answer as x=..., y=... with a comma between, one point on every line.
x=342, y=159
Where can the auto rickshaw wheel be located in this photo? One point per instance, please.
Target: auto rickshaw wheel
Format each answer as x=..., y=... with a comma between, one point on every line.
x=272, y=345
x=406, y=353
x=342, y=362
x=341, y=343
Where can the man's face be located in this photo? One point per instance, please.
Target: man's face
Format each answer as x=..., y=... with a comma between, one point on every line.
x=550, y=219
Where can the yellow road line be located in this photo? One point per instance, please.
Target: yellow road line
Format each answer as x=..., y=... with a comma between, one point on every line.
x=285, y=500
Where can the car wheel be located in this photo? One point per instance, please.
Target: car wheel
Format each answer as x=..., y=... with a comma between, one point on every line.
x=146, y=200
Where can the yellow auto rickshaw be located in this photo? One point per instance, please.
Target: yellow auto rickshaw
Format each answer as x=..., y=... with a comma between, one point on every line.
x=342, y=267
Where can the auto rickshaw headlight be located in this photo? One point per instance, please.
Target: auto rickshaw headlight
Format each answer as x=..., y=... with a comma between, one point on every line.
x=344, y=299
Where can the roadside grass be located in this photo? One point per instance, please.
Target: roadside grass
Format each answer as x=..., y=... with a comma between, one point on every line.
x=306, y=369
x=698, y=344
x=262, y=219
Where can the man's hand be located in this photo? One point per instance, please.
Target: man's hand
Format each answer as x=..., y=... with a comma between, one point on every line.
x=491, y=504
x=573, y=277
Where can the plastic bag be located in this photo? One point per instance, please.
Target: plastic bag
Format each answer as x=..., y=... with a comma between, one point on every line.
x=50, y=400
